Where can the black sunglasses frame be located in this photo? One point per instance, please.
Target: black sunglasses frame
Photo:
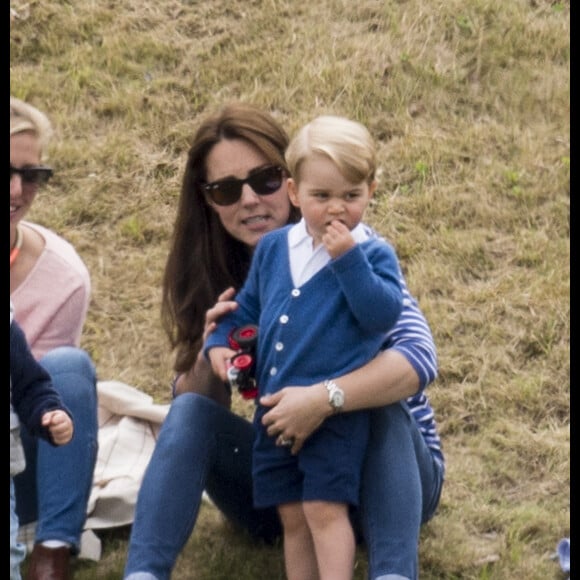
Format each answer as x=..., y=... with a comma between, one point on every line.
x=33, y=175
x=229, y=191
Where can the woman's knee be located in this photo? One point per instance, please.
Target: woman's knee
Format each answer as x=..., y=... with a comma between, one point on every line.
x=69, y=360
x=385, y=420
x=73, y=376
x=191, y=409
x=189, y=405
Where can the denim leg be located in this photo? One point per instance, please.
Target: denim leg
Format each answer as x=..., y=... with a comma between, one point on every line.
x=201, y=445
x=17, y=549
x=55, y=487
x=400, y=490
x=229, y=481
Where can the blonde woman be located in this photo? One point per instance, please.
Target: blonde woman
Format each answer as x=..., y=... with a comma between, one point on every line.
x=50, y=288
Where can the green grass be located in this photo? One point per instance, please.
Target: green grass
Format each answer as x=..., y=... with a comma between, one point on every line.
x=470, y=104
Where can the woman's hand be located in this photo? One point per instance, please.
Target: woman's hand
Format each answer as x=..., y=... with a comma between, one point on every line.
x=224, y=305
x=296, y=412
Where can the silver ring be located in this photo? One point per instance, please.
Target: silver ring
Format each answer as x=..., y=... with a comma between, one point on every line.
x=285, y=442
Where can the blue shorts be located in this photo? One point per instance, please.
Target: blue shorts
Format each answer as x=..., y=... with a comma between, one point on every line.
x=327, y=468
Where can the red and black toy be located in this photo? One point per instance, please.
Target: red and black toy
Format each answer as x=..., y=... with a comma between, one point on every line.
x=242, y=364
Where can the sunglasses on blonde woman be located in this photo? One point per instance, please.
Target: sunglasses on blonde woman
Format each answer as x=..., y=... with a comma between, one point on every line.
x=32, y=175
x=229, y=191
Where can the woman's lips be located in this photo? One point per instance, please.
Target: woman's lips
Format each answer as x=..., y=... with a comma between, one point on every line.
x=256, y=222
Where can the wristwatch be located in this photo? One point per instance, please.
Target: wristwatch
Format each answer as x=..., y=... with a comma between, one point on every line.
x=335, y=395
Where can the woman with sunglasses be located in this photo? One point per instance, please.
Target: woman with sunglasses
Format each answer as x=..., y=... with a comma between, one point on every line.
x=234, y=190
x=50, y=289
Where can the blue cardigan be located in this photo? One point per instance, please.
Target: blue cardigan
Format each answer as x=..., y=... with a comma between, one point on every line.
x=332, y=324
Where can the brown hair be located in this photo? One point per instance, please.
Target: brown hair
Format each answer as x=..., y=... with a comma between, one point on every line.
x=204, y=259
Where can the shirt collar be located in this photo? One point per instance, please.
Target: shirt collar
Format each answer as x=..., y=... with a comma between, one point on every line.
x=298, y=234
x=360, y=234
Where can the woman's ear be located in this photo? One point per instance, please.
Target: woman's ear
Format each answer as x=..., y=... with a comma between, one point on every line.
x=293, y=192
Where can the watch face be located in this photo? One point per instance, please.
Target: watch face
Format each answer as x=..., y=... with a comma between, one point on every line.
x=337, y=398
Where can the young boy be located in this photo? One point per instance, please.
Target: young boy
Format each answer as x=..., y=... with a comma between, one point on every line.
x=34, y=402
x=324, y=293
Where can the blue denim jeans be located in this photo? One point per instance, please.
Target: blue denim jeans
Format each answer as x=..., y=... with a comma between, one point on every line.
x=54, y=489
x=17, y=549
x=401, y=488
x=202, y=445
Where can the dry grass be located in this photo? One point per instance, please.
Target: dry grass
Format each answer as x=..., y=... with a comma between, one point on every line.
x=469, y=101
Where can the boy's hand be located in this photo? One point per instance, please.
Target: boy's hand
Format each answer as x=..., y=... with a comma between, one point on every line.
x=60, y=426
x=220, y=356
x=337, y=239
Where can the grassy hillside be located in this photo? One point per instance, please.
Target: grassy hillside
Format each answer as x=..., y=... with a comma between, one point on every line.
x=469, y=101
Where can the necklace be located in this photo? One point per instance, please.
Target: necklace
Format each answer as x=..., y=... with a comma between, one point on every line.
x=15, y=250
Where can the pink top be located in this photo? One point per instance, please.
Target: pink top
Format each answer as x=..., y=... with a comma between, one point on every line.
x=52, y=302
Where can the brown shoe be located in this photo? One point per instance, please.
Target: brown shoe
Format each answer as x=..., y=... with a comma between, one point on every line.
x=49, y=563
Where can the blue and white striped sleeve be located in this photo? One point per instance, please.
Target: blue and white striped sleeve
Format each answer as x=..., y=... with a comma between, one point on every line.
x=412, y=337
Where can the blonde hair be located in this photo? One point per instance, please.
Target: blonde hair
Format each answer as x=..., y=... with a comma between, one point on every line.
x=24, y=117
x=348, y=144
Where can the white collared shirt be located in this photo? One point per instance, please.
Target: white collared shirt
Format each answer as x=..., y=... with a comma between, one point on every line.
x=305, y=260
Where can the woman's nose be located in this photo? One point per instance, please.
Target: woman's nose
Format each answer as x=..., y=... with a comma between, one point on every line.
x=249, y=196
x=15, y=185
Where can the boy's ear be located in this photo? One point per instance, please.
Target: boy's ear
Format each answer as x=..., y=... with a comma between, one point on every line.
x=293, y=192
x=372, y=187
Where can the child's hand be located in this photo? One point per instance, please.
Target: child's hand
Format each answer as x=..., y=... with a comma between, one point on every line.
x=219, y=358
x=337, y=239
x=60, y=426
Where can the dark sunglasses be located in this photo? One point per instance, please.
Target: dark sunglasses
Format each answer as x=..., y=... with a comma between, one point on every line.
x=36, y=175
x=228, y=191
